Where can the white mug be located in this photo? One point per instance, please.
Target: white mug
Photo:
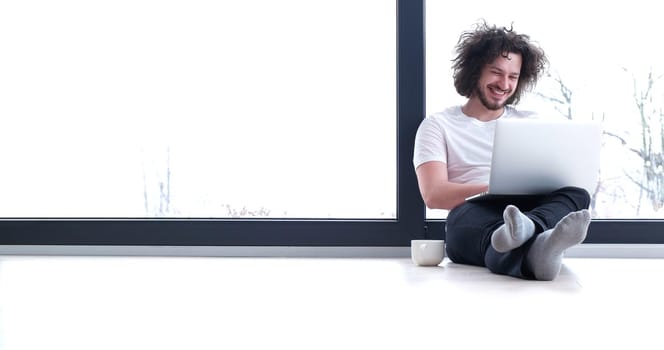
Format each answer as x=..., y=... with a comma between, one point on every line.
x=427, y=252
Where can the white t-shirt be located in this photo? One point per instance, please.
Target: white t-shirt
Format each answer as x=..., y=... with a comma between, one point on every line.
x=462, y=142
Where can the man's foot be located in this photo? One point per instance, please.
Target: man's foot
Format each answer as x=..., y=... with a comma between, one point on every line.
x=518, y=228
x=546, y=254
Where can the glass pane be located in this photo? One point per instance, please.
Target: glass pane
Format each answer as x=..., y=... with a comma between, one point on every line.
x=606, y=68
x=198, y=108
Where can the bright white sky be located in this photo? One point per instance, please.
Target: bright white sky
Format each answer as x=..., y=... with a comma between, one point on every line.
x=258, y=105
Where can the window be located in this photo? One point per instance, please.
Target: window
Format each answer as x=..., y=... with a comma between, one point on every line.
x=588, y=78
x=161, y=66
x=199, y=109
x=204, y=123
x=577, y=87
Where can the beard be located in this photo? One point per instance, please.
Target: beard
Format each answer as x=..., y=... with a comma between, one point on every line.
x=492, y=106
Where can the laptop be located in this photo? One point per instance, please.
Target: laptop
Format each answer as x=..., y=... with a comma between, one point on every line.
x=537, y=156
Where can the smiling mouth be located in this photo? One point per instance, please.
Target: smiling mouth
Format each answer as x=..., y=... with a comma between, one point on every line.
x=498, y=92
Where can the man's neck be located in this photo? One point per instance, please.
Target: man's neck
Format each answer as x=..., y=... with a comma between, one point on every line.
x=475, y=109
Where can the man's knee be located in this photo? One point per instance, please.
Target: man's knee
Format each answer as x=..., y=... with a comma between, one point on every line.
x=579, y=195
x=463, y=245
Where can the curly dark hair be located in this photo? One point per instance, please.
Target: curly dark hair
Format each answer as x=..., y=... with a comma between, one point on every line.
x=483, y=45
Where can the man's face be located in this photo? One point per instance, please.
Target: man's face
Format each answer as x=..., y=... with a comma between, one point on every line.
x=499, y=80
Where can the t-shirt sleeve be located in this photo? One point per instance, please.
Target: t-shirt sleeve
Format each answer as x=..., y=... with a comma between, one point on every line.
x=429, y=143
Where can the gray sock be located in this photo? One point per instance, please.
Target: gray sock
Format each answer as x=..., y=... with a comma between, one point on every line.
x=546, y=254
x=517, y=229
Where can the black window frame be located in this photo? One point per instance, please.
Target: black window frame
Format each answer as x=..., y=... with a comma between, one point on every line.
x=410, y=222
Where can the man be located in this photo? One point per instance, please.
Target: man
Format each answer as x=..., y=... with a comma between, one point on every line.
x=527, y=236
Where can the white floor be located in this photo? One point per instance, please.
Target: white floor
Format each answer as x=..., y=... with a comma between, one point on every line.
x=308, y=303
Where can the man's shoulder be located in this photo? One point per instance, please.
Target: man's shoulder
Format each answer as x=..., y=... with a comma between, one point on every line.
x=447, y=115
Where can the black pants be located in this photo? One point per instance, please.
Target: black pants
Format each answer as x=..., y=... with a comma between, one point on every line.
x=470, y=225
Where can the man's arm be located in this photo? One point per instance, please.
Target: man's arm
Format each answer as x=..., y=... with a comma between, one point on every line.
x=438, y=192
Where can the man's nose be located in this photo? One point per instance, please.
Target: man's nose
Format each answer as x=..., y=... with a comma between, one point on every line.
x=504, y=82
